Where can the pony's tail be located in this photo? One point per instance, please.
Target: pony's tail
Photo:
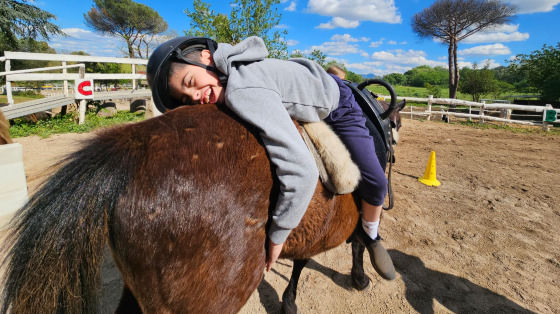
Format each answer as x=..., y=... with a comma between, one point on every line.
x=54, y=254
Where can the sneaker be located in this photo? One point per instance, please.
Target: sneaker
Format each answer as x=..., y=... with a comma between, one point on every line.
x=380, y=259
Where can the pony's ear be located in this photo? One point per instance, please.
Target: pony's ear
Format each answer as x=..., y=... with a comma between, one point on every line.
x=401, y=105
x=206, y=57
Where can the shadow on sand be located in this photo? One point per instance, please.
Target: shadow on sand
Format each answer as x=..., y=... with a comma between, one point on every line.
x=457, y=294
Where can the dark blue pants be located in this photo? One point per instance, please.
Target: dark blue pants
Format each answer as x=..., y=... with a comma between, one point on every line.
x=349, y=124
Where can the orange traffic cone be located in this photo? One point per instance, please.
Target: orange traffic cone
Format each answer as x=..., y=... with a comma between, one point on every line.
x=429, y=177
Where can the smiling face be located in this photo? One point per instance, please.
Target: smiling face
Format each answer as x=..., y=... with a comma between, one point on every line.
x=192, y=85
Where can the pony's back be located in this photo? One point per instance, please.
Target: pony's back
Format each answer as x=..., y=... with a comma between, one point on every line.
x=150, y=188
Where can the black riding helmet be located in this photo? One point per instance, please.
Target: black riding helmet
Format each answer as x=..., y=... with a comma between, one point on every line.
x=172, y=51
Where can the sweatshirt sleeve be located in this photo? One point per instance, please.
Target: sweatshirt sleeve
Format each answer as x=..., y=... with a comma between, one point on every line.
x=295, y=167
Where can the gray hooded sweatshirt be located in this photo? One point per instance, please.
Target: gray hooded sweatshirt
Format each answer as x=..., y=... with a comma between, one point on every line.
x=268, y=93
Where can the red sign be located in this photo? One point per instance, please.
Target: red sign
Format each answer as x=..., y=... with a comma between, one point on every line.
x=84, y=89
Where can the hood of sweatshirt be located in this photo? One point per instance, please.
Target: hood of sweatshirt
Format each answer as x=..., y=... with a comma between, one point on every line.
x=249, y=50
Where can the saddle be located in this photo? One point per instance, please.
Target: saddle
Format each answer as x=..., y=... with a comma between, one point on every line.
x=338, y=173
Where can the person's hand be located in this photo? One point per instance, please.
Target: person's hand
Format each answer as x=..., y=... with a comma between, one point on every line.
x=273, y=253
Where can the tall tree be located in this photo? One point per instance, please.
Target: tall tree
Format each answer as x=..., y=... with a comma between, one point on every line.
x=541, y=68
x=477, y=82
x=247, y=18
x=127, y=19
x=18, y=19
x=451, y=21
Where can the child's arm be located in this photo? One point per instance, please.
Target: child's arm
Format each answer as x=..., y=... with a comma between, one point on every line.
x=295, y=167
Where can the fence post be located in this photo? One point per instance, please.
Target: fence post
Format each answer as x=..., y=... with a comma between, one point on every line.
x=482, y=112
x=83, y=102
x=65, y=81
x=411, y=116
x=546, y=125
x=134, y=80
x=470, y=112
x=9, y=85
x=430, y=100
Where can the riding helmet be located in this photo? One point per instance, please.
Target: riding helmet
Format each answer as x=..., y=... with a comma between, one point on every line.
x=172, y=51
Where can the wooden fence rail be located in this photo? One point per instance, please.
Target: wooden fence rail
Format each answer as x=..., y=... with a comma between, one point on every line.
x=542, y=112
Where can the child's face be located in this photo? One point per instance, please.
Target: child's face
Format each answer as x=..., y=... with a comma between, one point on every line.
x=195, y=85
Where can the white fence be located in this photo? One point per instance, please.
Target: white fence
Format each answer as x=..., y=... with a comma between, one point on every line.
x=542, y=113
x=64, y=76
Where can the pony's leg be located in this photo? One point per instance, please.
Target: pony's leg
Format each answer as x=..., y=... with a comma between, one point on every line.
x=289, y=296
x=128, y=303
x=360, y=281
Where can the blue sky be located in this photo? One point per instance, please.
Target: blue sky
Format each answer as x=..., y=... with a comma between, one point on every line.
x=368, y=36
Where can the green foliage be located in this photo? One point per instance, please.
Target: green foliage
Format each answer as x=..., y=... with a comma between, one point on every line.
x=318, y=56
x=247, y=18
x=125, y=18
x=501, y=88
x=395, y=79
x=354, y=77
x=423, y=74
x=542, y=70
x=18, y=19
x=26, y=44
x=67, y=124
x=477, y=82
x=297, y=54
x=433, y=90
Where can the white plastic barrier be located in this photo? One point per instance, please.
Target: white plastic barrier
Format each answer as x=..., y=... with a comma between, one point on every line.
x=13, y=185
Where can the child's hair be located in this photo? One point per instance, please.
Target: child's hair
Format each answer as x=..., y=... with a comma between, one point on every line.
x=193, y=54
x=333, y=69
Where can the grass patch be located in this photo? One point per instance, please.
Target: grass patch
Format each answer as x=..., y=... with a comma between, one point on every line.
x=19, y=99
x=67, y=124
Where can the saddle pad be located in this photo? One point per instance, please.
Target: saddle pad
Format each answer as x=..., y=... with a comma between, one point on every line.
x=338, y=173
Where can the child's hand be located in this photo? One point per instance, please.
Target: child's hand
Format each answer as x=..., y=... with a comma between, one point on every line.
x=273, y=253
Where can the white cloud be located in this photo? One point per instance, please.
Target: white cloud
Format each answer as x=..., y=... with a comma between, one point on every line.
x=403, y=43
x=291, y=7
x=340, y=45
x=503, y=33
x=534, y=6
x=282, y=26
x=375, y=44
x=89, y=42
x=486, y=50
x=392, y=42
x=339, y=22
x=383, y=11
x=291, y=42
x=394, y=61
x=348, y=38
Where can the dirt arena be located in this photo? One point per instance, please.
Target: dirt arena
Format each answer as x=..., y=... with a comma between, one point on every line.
x=486, y=240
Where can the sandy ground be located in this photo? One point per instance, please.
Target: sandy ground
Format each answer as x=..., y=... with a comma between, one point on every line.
x=486, y=240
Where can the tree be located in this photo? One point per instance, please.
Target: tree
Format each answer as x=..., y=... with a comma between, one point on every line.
x=318, y=56
x=423, y=74
x=542, y=70
x=394, y=78
x=451, y=21
x=21, y=20
x=247, y=18
x=477, y=82
x=125, y=18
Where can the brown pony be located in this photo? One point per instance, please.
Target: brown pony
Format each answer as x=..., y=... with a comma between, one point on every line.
x=183, y=202
x=4, y=130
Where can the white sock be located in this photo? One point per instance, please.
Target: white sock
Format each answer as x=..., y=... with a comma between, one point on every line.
x=370, y=228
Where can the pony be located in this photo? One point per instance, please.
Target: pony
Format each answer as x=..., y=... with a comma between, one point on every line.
x=182, y=200
x=4, y=130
